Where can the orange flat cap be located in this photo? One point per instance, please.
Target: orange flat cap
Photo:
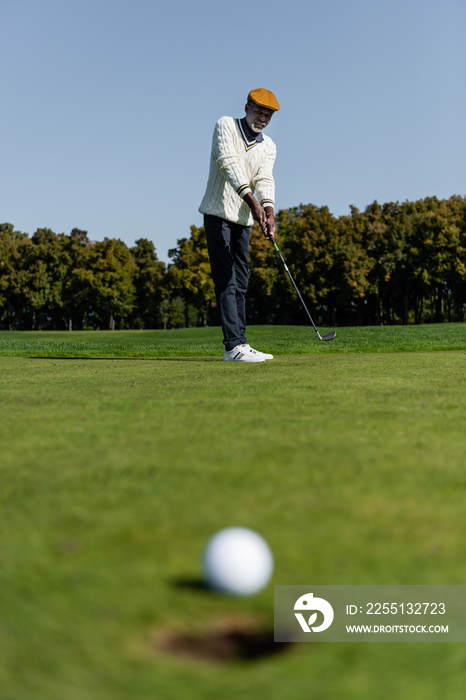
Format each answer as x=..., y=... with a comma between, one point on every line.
x=264, y=98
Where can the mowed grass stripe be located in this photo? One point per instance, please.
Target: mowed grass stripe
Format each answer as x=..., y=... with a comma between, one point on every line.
x=207, y=342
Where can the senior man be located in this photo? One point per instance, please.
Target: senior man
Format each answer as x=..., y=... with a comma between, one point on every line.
x=240, y=190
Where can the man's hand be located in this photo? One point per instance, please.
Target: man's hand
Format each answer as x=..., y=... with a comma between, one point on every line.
x=258, y=212
x=270, y=223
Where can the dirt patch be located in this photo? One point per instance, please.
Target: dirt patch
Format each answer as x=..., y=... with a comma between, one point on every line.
x=230, y=639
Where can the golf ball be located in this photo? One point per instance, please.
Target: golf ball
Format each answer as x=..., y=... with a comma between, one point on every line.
x=237, y=561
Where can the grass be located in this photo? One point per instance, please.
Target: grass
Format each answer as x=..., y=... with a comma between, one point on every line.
x=205, y=342
x=121, y=453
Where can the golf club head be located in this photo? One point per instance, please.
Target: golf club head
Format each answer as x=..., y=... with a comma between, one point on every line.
x=328, y=336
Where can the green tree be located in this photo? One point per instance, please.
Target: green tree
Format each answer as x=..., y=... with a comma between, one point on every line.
x=177, y=310
x=112, y=282
x=79, y=277
x=457, y=273
x=384, y=242
x=148, y=284
x=189, y=277
x=309, y=236
x=13, y=245
x=42, y=272
x=264, y=273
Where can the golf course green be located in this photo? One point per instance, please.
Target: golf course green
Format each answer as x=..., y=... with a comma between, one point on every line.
x=122, y=452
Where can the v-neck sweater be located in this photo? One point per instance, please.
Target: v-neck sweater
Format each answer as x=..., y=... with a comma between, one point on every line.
x=238, y=164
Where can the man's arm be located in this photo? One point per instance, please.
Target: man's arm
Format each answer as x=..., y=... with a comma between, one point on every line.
x=270, y=223
x=264, y=184
x=227, y=158
x=259, y=214
x=264, y=217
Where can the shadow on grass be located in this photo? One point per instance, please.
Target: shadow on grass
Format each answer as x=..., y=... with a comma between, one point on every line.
x=131, y=359
x=191, y=584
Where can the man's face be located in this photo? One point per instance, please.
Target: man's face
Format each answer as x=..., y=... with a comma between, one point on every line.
x=257, y=117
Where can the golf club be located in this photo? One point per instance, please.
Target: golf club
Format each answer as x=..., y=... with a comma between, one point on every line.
x=327, y=336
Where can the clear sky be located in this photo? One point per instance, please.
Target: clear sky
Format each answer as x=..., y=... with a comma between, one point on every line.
x=108, y=106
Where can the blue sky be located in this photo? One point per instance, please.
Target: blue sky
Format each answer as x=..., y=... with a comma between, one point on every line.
x=108, y=106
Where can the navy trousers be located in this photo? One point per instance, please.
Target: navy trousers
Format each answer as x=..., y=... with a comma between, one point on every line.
x=228, y=246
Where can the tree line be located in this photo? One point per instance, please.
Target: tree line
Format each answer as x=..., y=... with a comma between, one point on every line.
x=391, y=263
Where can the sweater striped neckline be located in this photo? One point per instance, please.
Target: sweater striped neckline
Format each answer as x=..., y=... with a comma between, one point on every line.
x=250, y=139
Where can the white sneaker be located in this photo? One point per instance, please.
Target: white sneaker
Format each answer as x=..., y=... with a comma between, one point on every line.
x=265, y=355
x=242, y=353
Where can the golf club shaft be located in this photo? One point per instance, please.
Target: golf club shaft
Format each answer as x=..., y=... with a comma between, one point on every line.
x=296, y=288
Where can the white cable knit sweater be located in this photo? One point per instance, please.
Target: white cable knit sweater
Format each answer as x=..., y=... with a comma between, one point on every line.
x=238, y=166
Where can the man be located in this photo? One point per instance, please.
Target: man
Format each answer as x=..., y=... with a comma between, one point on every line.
x=241, y=166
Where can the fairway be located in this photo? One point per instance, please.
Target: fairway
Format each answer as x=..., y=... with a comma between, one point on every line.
x=121, y=454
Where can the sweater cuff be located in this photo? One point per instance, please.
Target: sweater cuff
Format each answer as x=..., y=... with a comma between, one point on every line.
x=243, y=191
x=267, y=203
